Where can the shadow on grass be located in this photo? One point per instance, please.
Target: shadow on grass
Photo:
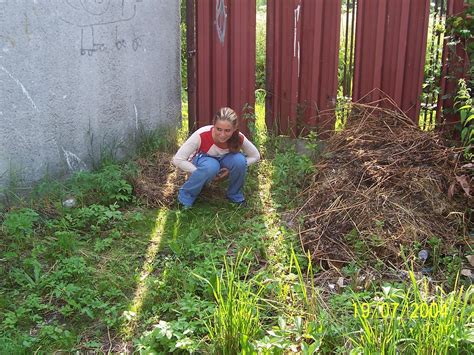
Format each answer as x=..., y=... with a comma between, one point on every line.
x=186, y=243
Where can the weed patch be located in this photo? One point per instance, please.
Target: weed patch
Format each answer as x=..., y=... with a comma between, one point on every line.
x=119, y=269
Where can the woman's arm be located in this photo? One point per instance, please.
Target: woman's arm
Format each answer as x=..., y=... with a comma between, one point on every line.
x=250, y=151
x=180, y=160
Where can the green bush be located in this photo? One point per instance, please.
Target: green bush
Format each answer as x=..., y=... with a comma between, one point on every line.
x=106, y=186
x=463, y=105
x=20, y=223
x=289, y=172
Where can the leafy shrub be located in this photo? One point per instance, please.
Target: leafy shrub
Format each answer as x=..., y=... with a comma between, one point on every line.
x=463, y=105
x=460, y=30
x=96, y=215
x=67, y=240
x=289, y=172
x=106, y=186
x=20, y=223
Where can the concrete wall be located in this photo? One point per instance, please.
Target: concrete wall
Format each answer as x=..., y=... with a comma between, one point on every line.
x=78, y=77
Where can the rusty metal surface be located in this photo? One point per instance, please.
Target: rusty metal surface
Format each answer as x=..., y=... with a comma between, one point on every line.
x=390, y=51
x=302, y=59
x=225, y=58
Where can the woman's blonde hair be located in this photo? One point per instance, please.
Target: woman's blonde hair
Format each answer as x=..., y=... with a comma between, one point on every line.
x=229, y=115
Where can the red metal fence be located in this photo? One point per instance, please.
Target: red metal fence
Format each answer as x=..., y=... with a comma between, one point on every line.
x=302, y=59
x=225, y=58
x=303, y=39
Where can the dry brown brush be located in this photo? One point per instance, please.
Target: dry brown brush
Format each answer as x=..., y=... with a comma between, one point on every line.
x=158, y=180
x=382, y=183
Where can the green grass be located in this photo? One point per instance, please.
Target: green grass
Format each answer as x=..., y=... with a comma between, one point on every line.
x=112, y=275
x=416, y=321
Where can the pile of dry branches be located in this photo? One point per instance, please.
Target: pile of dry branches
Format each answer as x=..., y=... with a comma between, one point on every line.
x=381, y=183
x=158, y=180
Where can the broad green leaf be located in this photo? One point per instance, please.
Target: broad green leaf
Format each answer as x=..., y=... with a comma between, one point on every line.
x=469, y=119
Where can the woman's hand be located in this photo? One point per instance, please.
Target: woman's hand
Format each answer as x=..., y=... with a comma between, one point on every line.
x=223, y=173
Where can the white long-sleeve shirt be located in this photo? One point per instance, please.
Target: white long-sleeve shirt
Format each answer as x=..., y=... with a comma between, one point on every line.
x=201, y=141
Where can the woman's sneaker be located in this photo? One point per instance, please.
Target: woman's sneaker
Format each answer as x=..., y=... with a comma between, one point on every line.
x=242, y=204
x=182, y=206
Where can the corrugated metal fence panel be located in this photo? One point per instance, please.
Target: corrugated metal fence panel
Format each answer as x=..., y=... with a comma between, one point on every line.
x=390, y=47
x=225, y=58
x=319, y=58
x=302, y=58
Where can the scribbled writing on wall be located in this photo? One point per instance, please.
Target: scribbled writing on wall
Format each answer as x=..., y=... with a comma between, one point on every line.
x=121, y=43
x=89, y=14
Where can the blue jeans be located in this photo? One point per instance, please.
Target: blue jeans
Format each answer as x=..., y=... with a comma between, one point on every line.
x=207, y=169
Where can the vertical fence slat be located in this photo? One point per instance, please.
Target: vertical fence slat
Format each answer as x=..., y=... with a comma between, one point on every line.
x=203, y=51
x=417, y=40
x=270, y=60
x=379, y=46
x=220, y=53
x=312, y=24
x=369, y=45
x=241, y=63
x=402, y=31
x=251, y=56
x=286, y=36
x=236, y=48
x=329, y=65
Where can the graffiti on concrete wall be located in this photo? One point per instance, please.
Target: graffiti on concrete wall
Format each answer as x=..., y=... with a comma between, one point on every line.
x=88, y=15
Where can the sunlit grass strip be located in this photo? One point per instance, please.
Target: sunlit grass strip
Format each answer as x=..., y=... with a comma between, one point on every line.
x=154, y=245
x=280, y=262
x=261, y=135
x=183, y=131
x=265, y=171
x=412, y=322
